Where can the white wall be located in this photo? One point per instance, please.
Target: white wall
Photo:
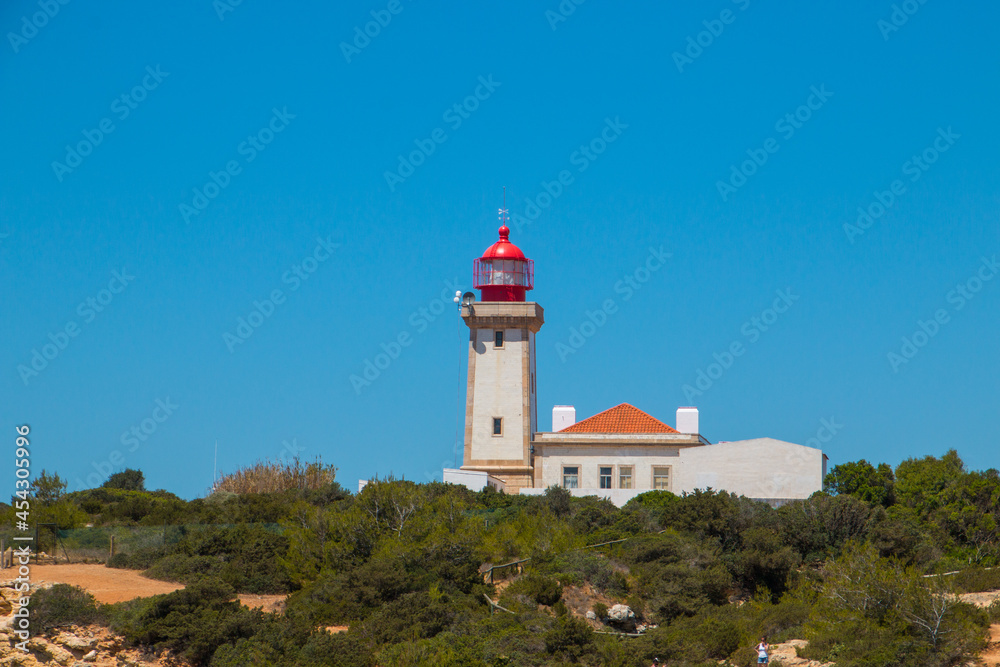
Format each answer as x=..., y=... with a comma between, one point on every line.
x=563, y=416
x=759, y=468
x=472, y=479
x=499, y=393
x=589, y=458
x=763, y=468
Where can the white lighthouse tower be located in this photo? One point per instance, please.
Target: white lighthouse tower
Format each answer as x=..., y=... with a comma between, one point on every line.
x=500, y=414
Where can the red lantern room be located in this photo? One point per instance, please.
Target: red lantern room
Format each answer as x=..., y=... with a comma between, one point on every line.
x=503, y=273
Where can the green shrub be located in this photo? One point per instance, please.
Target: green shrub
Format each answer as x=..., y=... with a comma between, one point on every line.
x=183, y=568
x=413, y=616
x=994, y=611
x=353, y=594
x=560, y=608
x=64, y=605
x=128, y=479
x=569, y=636
x=543, y=590
x=245, y=556
x=140, y=559
x=192, y=622
x=977, y=579
x=600, y=610
x=326, y=650
x=573, y=568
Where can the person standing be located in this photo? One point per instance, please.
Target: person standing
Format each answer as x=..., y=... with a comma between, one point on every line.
x=762, y=652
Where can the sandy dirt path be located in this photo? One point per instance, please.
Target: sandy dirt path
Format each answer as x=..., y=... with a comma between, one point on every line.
x=991, y=656
x=104, y=583
x=113, y=585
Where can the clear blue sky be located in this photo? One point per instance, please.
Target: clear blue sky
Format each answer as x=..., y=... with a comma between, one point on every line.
x=308, y=129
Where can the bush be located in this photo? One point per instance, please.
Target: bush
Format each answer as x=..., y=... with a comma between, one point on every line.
x=543, y=590
x=977, y=579
x=569, y=636
x=64, y=605
x=129, y=480
x=245, y=556
x=271, y=477
x=140, y=559
x=192, y=622
x=600, y=610
x=183, y=568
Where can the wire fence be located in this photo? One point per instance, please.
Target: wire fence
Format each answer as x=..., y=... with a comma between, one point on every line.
x=98, y=543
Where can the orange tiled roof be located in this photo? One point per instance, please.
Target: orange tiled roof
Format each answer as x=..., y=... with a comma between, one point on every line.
x=622, y=418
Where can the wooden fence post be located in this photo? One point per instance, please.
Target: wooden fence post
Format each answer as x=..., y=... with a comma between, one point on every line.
x=112, y=552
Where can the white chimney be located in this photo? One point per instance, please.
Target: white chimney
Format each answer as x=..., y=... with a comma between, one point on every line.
x=563, y=416
x=687, y=420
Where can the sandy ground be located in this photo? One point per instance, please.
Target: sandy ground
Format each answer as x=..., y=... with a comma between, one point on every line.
x=981, y=599
x=991, y=656
x=268, y=603
x=112, y=585
x=104, y=583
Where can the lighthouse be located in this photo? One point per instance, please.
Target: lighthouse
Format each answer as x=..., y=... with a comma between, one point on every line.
x=500, y=413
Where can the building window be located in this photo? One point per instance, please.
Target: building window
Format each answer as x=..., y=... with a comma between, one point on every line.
x=571, y=477
x=498, y=426
x=606, y=474
x=661, y=478
x=624, y=477
x=497, y=339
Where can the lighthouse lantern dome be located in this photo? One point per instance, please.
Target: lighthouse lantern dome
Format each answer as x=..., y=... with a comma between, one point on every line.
x=503, y=273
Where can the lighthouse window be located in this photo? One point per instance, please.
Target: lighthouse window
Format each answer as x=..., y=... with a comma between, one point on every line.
x=606, y=473
x=571, y=477
x=624, y=477
x=498, y=426
x=498, y=339
x=661, y=478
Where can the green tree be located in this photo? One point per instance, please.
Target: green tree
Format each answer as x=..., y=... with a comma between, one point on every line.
x=49, y=489
x=128, y=479
x=921, y=483
x=875, y=611
x=863, y=481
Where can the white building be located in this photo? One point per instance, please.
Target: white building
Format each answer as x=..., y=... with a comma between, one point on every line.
x=622, y=452
x=616, y=454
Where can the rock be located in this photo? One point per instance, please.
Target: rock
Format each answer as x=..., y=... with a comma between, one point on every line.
x=60, y=655
x=74, y=643
x=591, y=616
x=620, y=612
x=90, y=657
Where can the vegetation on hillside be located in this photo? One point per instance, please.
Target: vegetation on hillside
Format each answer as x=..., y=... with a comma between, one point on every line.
x=403, y=565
